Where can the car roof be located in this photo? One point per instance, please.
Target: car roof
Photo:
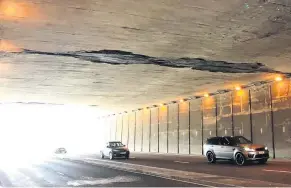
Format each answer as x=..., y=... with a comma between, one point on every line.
x=224, y=137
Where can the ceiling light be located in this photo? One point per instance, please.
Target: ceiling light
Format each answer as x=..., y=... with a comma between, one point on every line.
x=278, y=78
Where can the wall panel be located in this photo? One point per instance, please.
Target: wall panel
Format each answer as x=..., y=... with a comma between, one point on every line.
x=241, y=114
x=146, y=130
x=125, y=129
x=131, y=136
x=224, y=114
x=138, y=133
x=163, y=129
x=173, y=128
x=262, y=129
x=154, y=130
x=184, y=127
x=112, y=127
x=209, y=117
x=119, y=128
x=195, y=127
x=281, y=95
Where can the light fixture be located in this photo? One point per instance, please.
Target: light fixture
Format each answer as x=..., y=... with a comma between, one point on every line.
x=278, y=78
x=237, y=88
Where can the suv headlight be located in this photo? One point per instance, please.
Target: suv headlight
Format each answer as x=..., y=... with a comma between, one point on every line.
x=248, y=149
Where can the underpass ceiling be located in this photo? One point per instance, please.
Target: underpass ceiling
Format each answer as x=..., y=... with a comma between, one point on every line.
x=53, y=51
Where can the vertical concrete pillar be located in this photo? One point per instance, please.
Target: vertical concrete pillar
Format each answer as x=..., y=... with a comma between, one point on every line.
x=272, y=121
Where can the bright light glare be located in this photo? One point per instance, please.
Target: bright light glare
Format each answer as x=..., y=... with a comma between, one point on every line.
x=206, y=95
x=278, y=78
x=237, y=88
x=31, y=133
x=7, y=46
x=16, y=9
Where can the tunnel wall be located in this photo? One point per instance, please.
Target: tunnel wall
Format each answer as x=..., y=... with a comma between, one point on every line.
x=260, y=113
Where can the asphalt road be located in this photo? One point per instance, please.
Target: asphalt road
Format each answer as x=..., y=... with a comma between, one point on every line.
x=62, y=173
x=273, y=171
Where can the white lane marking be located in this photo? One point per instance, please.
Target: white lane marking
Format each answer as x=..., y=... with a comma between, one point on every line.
x=183, y=162
x=91, y=161
x=61, y=173
x=102, y=181
x=280, y=171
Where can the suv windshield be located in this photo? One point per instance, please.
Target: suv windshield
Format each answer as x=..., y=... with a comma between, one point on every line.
x=115, y=144
x=240, y=140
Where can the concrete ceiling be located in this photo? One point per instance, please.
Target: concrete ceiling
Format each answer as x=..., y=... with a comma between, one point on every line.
x=125, y=54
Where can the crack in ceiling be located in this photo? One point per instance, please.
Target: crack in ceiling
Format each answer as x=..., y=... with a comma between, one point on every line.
x=117, y=57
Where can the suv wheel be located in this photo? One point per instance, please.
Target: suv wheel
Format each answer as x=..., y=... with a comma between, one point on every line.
x=263, y=161
x=101, y=155
x=240, y=159
x=210, y=157
x=111, y=156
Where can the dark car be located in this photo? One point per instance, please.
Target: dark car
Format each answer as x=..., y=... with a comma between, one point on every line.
x=61, y=151
x=115, y=149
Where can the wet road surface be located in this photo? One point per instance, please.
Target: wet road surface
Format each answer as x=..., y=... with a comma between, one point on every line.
x=62, y=173
x=273, y=171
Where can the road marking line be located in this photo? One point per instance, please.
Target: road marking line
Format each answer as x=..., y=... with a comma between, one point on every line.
x=184, y=162
x=280, y=171
x=206, y=182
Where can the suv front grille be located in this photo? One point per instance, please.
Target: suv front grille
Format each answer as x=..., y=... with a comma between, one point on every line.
x=260, y=149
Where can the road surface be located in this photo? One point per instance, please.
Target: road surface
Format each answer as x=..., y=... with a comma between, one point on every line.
x=273, y=171
x=62, y=173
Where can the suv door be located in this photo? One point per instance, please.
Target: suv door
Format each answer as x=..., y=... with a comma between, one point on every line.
x=226, y=148
x=214, y=144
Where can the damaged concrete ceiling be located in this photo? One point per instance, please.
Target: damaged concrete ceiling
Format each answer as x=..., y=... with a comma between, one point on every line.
x=125, y=54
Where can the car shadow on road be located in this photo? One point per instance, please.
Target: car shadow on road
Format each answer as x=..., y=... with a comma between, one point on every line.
x=232, y=163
